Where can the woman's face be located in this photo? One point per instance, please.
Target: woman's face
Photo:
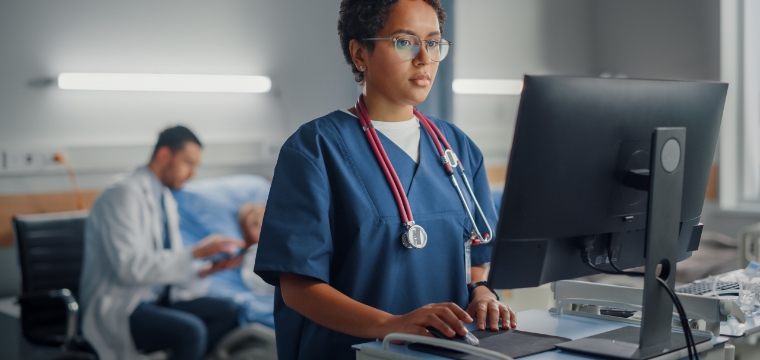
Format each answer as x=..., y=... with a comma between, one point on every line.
x=405, y=82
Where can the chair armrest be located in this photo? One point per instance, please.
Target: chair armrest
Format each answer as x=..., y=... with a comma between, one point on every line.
x=72, y=308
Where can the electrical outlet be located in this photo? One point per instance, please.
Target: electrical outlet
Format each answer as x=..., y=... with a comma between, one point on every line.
x=15, y=160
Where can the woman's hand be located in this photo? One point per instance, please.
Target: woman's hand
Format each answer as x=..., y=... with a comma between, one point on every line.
x=444, y=316
x=485, y=305
x=326, y=306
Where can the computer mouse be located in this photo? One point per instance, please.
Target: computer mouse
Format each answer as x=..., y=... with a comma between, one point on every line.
x=468, y=339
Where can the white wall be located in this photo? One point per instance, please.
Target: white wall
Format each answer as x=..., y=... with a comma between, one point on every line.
x=506, y=39
x=294, y=42
x=671, y=39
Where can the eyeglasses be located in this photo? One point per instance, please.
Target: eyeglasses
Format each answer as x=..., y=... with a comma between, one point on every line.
x=408, y=47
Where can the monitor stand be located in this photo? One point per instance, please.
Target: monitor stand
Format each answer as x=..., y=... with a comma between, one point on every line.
x=655, y=337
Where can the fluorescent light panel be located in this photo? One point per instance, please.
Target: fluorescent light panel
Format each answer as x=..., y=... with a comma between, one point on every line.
x=487, y=87
x=165, y=82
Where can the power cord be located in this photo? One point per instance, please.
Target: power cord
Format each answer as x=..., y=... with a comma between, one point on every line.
x=690, y=344
x=691, y=347
x=59, y=158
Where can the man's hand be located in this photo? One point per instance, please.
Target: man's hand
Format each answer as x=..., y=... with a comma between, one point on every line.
x=485, y=305
x=220, y=265
x=214, y=244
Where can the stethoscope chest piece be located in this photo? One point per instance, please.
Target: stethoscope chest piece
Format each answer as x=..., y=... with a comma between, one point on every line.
x=415, y=237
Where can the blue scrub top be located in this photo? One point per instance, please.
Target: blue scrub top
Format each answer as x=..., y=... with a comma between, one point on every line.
x=331, y=216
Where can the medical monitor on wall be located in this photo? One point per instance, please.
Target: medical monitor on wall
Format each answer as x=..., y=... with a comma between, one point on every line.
x=575, y=141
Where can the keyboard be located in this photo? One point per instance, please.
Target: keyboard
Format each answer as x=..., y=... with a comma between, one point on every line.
x=702, y=287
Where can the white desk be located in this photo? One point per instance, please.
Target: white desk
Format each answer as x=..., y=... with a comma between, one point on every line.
x=549, y=323
x=733, y=328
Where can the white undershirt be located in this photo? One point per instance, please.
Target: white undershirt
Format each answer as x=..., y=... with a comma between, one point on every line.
x=405, y=134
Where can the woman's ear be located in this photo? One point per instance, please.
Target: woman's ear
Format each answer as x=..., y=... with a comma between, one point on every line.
x=358, y=54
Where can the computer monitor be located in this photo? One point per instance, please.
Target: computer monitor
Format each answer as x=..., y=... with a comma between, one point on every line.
x=578, y=179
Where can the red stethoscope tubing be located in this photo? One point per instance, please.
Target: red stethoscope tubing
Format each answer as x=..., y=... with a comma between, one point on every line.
x=430, y=127
x=390, y=173
x=434, y=135
x=402, y=201
x=437, y=136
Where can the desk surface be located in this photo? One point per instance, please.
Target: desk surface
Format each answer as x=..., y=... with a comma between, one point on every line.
x=733, y=328
x=541, y=322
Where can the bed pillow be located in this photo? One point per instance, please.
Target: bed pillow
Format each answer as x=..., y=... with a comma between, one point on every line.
x=210, y=205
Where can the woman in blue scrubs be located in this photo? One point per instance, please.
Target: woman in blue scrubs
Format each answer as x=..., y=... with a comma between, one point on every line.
x=331, y=241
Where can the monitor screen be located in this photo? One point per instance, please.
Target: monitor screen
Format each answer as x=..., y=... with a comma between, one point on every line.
x=575, y=141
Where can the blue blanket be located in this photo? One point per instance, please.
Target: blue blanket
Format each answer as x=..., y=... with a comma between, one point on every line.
x=210, y=206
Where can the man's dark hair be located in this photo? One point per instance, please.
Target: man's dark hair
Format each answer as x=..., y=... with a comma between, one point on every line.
x=360, y=19
x=175, y=138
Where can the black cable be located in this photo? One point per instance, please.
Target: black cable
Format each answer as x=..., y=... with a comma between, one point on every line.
x=676, y=301
x=609, y=256
x=682, y=314
x=690, y=345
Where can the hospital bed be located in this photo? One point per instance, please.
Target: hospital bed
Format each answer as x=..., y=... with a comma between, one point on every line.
x=210, y=206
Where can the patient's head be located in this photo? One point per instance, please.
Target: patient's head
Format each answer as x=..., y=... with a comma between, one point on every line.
x=176, y=156
x=250, y=218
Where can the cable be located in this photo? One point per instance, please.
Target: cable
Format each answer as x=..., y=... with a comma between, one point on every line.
x=586, y=258
x=59, y=158
x=690, y=345
x=684, y=319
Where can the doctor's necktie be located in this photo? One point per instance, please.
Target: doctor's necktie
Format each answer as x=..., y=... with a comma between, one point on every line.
x=163, y=297
x=167, y=239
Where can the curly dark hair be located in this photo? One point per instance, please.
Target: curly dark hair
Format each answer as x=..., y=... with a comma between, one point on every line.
x=360, y=19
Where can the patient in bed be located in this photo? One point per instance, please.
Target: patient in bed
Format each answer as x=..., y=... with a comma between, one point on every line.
x=232, y=206
x=250, y=217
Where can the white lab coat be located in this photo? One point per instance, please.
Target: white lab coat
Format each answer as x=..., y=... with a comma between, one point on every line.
x=124, y=259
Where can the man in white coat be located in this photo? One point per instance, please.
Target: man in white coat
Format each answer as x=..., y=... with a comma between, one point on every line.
x=134, y=254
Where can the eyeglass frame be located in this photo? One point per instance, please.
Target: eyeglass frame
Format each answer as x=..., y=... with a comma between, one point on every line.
x=395, y=41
